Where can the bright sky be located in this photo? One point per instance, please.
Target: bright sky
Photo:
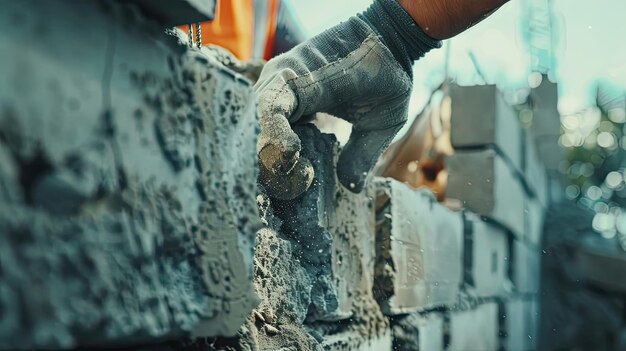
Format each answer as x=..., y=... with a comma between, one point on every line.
x=590, y=47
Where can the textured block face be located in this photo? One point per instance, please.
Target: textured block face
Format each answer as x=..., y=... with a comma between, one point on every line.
x=418, y=249
x=534, y=323
x=486, y=257
x=546, y=125
x=352, y=341
x=535, y=173
x=551, y=152
x=520, y=322
x=534, y=217
x=481, y=117
x=314, y=263
x=281, y=282
x=485, y=185
x=525, y=267
x=334, y=230
x=418, y=332
x=546, y=118
x=132, y=169
x=515, y=324
x=431, y=332
x=475, y=329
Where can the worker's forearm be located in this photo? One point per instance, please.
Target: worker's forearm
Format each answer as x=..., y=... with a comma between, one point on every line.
x=443, y=19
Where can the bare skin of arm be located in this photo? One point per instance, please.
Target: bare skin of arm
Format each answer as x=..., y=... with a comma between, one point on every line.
x=443, y=19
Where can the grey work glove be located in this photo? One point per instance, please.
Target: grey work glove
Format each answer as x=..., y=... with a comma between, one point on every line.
x=360, y=71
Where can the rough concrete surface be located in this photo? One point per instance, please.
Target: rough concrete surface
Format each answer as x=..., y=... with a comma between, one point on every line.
x=333, y=230
x=486, y=257
x=129, y=210
x=485, y=185
x=314, y=264
x=546, y=124
x=475, y=329
x=525, y=267
x=284, y=289
x=534, y=215
x=520, y=318
x=353, y=341
x=418, y=249
x=416, y=331
x=306, y=221
x=534, y=172
x=481, y=117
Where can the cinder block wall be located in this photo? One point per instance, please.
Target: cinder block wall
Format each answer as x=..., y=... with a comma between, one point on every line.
x=130, y=212
x=128, y=177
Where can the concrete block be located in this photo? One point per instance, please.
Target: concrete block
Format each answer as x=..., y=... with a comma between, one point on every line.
x=333, y=229
x=520, y=324
x=546, y=124
x=550, y=151
x=546, y=119
x=351, y=340
x=475, y=329
x=535, y=172
x=485, y=185
x=534, y=214
x=286, y=287
x=525, y=269
x=486, y=257
x=481, y=117
x=136, y=211
x=418, y=249
x=513, y=316
x=534, y=325
x=282, y=284
x=418, y=332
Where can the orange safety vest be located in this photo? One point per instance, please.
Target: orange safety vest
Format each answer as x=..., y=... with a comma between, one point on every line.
x=234, y=28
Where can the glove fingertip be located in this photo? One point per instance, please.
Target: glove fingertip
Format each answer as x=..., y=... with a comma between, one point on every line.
x=351, y=179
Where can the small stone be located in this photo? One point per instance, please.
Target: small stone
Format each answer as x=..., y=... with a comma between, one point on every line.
x=259, y=316
x=270, y=330
x=269, y=316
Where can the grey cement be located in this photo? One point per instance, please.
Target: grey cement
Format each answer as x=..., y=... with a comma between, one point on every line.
x=127, y=185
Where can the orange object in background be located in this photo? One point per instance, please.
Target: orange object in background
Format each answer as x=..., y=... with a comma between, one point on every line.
x=233, y=27
x=418, y=158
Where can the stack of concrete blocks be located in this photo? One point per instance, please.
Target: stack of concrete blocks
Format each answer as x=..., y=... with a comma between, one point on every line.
x=438, y=273
x=497, y=176
x=546, y=124
x=545, y=132
x=128, y=176
x=424, y=277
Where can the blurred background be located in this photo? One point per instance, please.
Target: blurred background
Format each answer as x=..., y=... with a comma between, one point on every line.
x=575, y=44
x=578, y=46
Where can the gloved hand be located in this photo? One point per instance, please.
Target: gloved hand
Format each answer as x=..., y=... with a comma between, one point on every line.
x=359, y=70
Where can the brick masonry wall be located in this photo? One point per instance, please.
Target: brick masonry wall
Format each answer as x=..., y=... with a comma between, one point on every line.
x=130, y=211
x=510, y=204
x=439, y=280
